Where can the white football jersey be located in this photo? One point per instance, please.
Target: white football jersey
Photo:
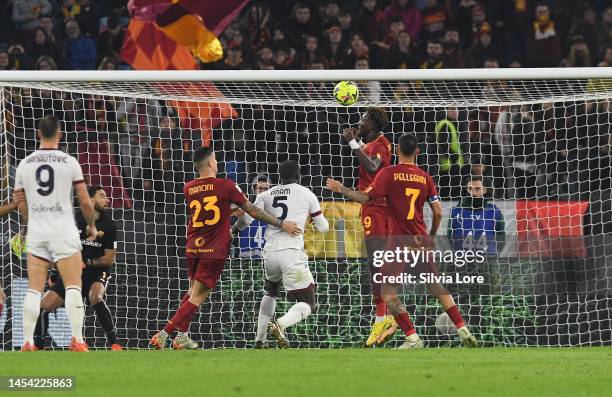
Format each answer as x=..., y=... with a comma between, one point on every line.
x=292, y=202
x=47, y=177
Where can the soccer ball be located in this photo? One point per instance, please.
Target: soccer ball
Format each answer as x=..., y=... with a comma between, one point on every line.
x=346, y=93
x=445, y=325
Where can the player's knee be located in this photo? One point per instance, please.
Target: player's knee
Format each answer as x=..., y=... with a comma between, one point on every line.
x=271, y=288
x=307, y=296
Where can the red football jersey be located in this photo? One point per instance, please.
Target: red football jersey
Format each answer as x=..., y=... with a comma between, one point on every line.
x=380, y=148
x=407, y=188
x=208, y=228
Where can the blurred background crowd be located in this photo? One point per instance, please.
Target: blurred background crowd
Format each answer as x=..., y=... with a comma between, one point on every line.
x=329, y=34
x=140, y=148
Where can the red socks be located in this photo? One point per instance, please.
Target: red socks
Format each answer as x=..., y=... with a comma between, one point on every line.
x=381, y=306
x=182, y=318
x=404, y=322
x=185, y=298
x=455, y=317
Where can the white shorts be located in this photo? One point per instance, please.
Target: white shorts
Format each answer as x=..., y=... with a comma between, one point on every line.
x=53, y=251
x=290, y=266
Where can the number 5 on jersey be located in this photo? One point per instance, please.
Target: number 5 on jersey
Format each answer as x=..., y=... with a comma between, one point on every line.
x=210, y=204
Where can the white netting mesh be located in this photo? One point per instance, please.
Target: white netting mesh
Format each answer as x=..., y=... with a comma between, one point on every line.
x=542, y=148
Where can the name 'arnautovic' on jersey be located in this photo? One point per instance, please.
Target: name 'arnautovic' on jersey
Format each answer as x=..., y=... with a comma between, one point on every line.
x=47, y=178
x=291, y=202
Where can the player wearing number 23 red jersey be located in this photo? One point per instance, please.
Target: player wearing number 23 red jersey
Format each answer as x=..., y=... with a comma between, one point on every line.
x=208, y=241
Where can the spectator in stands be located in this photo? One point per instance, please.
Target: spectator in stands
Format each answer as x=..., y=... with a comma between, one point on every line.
x=436, y=17
x=111, y=39
x=371, y=21
x=482, y=49
x=590, y=29
x=453, y=53
x=579, y=54
x=345, y=21
x=329, y=16
x=108, y=63
x=369, y=90
x=80, y=50
x=46, y=23
x=463, y=21
x=396, y=26
x=607, y=57
x=283, y=59
x=413, y=21
x=18, y=57
x=607, y=23
x=40, y=45
x=479, y=20
x=434, y=56
x=168, y=160
x=258, y=26
x=491, y=63
x=26, y=13
x=70, y=9
x=401, y=55
x=45, y=62
x=450, y=162
x=5, y=61
x=233, y=59
x=265, y=58
x=542, y=44
x=89, y=18
x=357, y=50
x=311, y=53
x=300, y=24
x=335, y=49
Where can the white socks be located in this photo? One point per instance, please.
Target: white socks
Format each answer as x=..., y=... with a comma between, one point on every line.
x=266, y=312
x=31, y=311
x=75, y=309
x=296, y=313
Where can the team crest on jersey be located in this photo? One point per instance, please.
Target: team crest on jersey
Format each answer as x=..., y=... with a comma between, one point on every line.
x=199, y=241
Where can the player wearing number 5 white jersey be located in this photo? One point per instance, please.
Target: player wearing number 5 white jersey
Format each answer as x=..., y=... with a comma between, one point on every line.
x=284, y=257
x=44, y=185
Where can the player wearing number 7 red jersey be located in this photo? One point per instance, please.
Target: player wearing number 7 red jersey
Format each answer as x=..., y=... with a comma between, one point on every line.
x=407, y=188
x=208, y=241
x=373, y=155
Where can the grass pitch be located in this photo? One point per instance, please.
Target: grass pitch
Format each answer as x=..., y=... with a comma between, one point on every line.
x=320, y=373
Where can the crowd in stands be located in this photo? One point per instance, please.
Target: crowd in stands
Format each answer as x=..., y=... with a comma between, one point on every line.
x=141, y=148
x=329, y=34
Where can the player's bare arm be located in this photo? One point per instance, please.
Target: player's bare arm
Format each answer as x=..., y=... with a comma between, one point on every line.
x=87, y=210
x=371, y=164
x=105, y=261
x=436, y=209
x=288, y=227
x=22, y=205
x=354, y=195
x=6, y=209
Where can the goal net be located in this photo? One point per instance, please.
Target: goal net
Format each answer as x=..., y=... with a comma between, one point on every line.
x=542, y=148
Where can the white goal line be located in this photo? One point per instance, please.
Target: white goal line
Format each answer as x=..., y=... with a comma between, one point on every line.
x=307, y=75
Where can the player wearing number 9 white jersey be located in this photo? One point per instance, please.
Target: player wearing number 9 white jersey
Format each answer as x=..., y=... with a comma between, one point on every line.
x=284, y=257
x=44, y=185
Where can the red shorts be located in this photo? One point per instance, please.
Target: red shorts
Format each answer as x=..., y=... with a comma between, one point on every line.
x=375, y=221
x=207, y=271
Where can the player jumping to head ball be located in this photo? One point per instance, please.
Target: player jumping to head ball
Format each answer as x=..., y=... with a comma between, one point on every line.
x=407, y=188
x=373, y=151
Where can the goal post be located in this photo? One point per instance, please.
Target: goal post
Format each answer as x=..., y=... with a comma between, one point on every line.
x=538, y=139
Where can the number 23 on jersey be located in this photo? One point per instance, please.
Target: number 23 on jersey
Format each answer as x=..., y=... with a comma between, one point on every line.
x=210, y=205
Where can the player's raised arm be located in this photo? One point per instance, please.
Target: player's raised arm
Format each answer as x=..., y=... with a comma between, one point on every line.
x=370, y=126
x=318, y=219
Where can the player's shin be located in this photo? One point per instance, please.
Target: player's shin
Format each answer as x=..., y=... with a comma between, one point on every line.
x=399, y=313
x=40, y=331
x=75, y=311
x=266, y=312
x=296, y=313
x=106, y=320
x=31, y=311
